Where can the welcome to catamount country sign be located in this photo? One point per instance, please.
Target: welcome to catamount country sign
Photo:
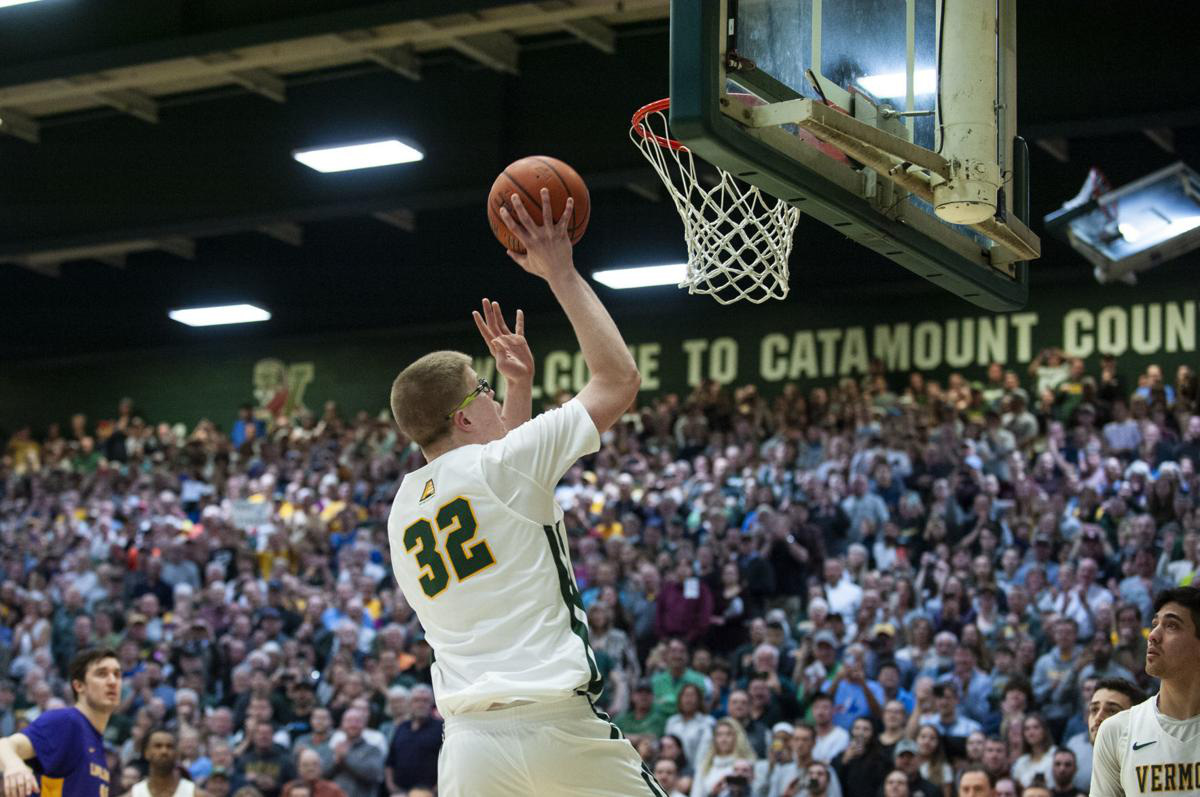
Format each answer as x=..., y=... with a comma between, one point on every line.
x=805, y=340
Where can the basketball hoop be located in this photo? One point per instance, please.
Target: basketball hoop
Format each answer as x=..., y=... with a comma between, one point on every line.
x=738, y=238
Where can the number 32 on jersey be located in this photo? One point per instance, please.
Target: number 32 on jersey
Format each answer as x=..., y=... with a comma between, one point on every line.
x=457, y=521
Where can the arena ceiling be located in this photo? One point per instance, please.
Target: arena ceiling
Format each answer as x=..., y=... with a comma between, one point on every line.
x=145, y=154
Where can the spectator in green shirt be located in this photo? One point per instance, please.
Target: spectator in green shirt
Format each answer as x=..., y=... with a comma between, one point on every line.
x=643, y=716
x=1069, y=393
x=669, y=681
x=87, y=461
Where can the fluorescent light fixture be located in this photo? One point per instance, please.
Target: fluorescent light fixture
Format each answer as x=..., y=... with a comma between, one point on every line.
x=363, y=155
x=219, y=314
x=1135, y=227
x=641, y=276
x=7, y=3
x=895, y=84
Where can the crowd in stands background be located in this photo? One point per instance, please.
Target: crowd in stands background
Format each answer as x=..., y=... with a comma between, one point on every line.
x=857, y=590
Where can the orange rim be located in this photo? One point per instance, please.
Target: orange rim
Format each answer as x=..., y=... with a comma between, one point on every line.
x=639, y=117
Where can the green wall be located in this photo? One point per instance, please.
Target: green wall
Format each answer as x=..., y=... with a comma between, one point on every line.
x=804, y=340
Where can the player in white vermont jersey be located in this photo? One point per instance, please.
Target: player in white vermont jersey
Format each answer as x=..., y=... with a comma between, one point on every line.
x=1154, y=747
x=480, y=553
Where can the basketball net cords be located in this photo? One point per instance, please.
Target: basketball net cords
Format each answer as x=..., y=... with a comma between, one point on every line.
x=738, y=242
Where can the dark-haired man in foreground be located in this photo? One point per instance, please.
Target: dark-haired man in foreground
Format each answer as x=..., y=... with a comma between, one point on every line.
x=1151, y=748
x=67, y=744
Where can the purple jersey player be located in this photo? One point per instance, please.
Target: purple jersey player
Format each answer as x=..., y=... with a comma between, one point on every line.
x=66, y=746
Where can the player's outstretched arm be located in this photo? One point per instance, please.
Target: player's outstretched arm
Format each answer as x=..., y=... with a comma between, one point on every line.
x=19, y=780
x=1106, y=761
x=614, y=381
x=514, y=361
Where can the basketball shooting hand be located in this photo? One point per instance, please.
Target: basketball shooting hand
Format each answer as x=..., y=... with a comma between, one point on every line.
x=511, y=351
x=547, y=245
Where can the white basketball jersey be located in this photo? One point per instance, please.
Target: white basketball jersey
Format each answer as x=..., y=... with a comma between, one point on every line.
x=1141, y=751
x=480, y=553
x=186, y=788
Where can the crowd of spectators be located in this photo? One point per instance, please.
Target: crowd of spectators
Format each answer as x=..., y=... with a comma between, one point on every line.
x=861, y=589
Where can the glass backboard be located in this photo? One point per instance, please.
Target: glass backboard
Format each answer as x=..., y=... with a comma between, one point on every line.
x=878, y=62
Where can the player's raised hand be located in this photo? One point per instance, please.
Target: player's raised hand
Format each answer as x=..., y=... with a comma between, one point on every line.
x=511, y=351
x=19, y=781
x=547, y=245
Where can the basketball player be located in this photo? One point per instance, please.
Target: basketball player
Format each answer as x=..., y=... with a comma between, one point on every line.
x=162, y=754
x=1112, y=696
x=480, y=553
x=67, y=743
x=1154, y=747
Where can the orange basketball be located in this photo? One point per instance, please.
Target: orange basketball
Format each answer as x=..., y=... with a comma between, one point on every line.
x=526, y=178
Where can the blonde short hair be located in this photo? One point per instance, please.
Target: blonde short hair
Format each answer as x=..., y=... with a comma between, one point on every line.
x=426, y=391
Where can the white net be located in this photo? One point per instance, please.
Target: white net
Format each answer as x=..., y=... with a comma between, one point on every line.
x=738, y=238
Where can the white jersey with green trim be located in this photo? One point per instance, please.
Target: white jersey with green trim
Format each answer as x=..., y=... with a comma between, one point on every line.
x=480, y=553
x=1142, y=751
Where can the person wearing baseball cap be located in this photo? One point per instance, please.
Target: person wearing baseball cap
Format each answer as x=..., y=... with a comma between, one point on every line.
x=642, y=716
x=217, y=783
x=785, y=728
x=825, y=638
x=781, y=742
x=908, y=763
x=825, y=649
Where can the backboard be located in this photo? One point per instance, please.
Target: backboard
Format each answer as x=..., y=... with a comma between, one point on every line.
x=852, y=112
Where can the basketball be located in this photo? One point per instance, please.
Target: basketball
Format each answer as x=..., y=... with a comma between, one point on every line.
x=526, y=178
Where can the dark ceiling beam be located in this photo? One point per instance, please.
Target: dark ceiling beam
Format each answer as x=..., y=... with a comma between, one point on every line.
x=486, y=39
x=497, y=51
x=401, y=60
x=284, y=232
x=1056, y=146
x=277, y=219
x=401, y=219
x=14, y=123
x=593, y=32
x=115, y=179
x=179, y=246
x=111, y=253
x=116, y=260
x=286, y=27
x=1164, y=137
x=262, y=82
x=52, y=270
x=134, y=103
x=179, y=237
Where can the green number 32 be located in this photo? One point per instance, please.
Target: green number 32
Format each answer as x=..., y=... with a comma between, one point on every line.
x=457, y=521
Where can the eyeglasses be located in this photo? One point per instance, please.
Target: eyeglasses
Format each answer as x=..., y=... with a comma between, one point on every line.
x=481, y=387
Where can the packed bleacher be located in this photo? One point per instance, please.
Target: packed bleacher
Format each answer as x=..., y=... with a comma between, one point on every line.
x=860, y=589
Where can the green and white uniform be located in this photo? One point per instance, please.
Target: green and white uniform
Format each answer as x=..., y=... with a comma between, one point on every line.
x=480, y=553
x=1142, y=751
